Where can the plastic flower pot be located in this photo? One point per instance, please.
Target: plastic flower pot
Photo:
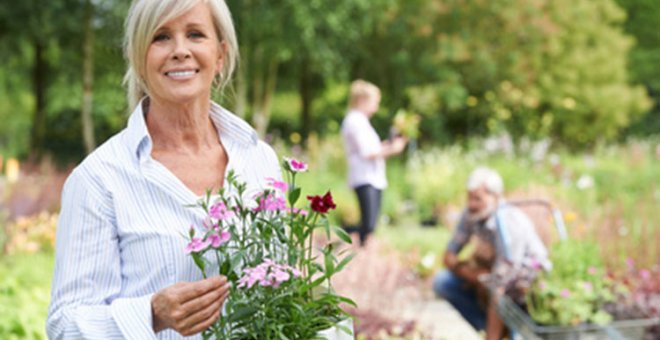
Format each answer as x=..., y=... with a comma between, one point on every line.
x=339, y=332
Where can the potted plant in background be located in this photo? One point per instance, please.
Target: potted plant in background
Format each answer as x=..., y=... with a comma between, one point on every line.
x=281, y=280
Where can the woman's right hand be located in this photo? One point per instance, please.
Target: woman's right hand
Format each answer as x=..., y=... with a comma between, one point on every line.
x=189, y=307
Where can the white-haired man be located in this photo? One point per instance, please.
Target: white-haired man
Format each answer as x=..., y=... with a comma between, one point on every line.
x=501, y=232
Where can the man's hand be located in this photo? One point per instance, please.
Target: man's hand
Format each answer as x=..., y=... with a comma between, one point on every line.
x=463, y=270
x=189, y=307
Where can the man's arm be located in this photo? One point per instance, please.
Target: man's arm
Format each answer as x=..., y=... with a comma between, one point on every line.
x=461, y=269
x=460, y=238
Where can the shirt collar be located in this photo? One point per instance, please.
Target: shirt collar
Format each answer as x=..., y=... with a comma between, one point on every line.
x=357, y=112
x=230, y=128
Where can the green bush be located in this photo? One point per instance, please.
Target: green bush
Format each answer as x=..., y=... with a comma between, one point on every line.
x=24, y=295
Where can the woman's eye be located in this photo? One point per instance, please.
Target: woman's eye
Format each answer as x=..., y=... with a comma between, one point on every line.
x=195, y=35
x=161, y=37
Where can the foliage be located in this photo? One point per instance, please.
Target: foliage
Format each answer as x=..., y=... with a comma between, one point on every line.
x=576, y=289
x=642, y=18
x=617, y=207
x=546, y=70
x=406, y=124
x=24, y=295
x=281, y=282
x=32, y=234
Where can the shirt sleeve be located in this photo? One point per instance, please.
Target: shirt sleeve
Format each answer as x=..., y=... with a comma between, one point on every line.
x=460, y=237
x=524, y=240
x=87, y=277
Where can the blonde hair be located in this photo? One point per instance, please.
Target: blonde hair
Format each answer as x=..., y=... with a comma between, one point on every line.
x=361, y=90
x=146, y=16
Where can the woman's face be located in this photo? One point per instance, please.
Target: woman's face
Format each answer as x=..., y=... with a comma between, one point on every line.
x=369, y=105
x=184, y=57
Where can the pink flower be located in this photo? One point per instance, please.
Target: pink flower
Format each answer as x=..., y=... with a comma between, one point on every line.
x=208, y=223
x=219, y=211
x=535, y=264
x=630, y=263
x=587, y=286
x=645, y=274
x=295, y=165
x=592, y=271
x=270, y=203
x=279, y=185
x=565, y=293
x=542, y=285
x=297, y=211
x=267, y=274
x=219, y=239
x=197, y=244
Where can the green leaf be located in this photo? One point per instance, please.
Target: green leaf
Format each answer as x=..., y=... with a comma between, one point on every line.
x=242, y=314
x=344, y=262
x=342, y=234
x=329, y=264
x=294, y=195
x=199, y=261
x=347, y=301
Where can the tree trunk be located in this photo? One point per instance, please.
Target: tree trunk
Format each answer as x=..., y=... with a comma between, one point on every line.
x=39, y=72
x=306, y=97
x=88, y=79
x=241, y=93
x=265, y=80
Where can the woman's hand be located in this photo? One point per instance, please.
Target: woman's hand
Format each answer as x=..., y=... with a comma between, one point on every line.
x=189, y=307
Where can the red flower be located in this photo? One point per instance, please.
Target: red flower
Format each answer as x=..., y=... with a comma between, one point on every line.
x=322, y=204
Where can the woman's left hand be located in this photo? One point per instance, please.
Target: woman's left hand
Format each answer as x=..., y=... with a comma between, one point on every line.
x=189, y=307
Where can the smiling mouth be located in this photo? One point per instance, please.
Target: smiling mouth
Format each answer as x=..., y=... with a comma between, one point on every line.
x=181, y=74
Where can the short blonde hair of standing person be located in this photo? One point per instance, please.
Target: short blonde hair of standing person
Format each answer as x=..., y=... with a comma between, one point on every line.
x=361, y=90
x=145, y=18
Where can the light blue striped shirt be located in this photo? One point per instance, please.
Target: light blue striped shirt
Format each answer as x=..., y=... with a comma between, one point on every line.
x=119, y=237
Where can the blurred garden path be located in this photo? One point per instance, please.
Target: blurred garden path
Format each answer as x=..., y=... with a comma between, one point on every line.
x=394, y=302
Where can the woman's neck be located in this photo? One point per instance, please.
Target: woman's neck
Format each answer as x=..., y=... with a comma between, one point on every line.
x=181, y=127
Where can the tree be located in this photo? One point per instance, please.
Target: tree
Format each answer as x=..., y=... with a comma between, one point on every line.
x=642, y=23
x=534, y=68
x=312, y=38
x=88, y=79
x=37, y=29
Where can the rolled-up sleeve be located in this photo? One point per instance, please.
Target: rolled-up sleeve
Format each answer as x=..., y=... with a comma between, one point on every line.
x=87, y=283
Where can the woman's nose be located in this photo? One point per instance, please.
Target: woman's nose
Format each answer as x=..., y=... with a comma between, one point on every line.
x=181, y=50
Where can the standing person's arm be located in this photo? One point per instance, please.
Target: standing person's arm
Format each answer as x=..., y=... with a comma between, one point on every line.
x=391, y=147
x=87, y=279
x=357, y=135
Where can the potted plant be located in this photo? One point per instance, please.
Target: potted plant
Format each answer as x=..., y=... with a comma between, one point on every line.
x=263, y=244
x=578, y=298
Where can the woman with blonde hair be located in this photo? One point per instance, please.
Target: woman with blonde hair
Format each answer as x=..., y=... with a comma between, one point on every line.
x=120, y=267
x=366, y=154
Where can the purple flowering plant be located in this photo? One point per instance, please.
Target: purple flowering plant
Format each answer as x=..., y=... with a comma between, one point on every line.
x=281, y=280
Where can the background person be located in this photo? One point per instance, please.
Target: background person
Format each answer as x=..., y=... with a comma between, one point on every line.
x=459, y=283
x=366, y=154
x=120, y=267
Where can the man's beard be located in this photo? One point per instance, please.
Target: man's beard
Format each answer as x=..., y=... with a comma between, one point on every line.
x=483, y=214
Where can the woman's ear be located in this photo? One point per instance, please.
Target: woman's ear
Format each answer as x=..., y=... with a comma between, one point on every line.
x=222, y=51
